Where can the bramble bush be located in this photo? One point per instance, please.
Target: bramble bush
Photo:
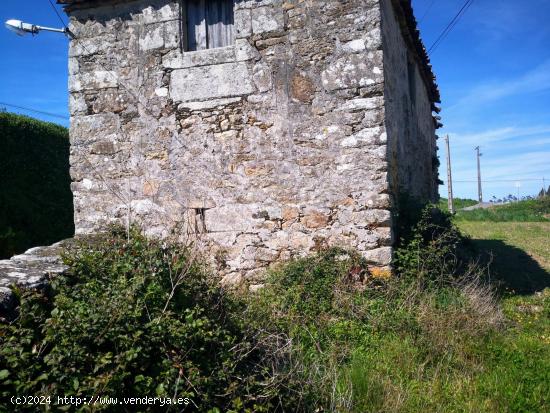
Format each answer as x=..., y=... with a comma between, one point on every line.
x=134, y=318
x=142, y=317
x=433, y=249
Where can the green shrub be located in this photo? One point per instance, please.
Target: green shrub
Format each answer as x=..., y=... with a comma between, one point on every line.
x=424, y=340
x=377, y=346
x=137, y=318
x=431, y=251
x=304, y=290
x=36, y=203
x=323, y=335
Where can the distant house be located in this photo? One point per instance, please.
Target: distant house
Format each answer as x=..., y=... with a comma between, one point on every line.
x=264, y=128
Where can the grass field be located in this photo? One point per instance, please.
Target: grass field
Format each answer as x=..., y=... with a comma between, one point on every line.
x=520, y=258
x=520, y=251
x=534, y=210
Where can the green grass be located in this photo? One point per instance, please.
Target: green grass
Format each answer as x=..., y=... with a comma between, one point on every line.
x=524, y=211
x=401, y=347
x=517, y=245
x=441, y=342
x=506, y=370
x=515, y=363
x=445, y=348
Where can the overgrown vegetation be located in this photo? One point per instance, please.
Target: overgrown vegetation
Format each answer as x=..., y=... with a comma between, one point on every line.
x=534, y=210
x=433, y=339
x=133, y=318
x=36, y=204
x=141, y=317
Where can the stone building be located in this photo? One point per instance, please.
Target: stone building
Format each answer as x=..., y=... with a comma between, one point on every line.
x=262, y=128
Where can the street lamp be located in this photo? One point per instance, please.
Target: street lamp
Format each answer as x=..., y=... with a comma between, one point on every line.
x=21, y=29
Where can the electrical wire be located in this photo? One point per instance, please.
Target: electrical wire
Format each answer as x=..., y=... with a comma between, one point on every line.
x=55, y=115
x=450, y=26
x=503, y=180
x=57, y=13
x=427, y=11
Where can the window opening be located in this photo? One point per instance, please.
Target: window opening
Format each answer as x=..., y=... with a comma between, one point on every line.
x=209, y=24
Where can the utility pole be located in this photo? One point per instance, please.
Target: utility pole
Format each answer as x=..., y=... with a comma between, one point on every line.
x=450, y=201
x=479, y=192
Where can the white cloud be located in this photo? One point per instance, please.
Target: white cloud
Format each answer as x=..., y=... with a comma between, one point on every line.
x=510, y=153
x=535, y=80
x=500, y=135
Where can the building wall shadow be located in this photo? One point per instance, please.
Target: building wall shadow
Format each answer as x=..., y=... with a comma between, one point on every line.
x=511, y=268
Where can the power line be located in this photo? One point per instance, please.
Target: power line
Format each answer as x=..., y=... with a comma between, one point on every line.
x=503, y=180
x=55, y=115
x=57, y=13
x=427, y=11
x=450, y=26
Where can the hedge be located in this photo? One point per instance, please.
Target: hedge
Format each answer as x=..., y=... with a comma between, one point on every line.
x=36, y=204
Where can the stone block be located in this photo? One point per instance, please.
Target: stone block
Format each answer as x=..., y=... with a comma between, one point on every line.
x=302, y=88
x=99, y=79
x=354, y=46
x=267, y=19
x=378, y=256
x=315, y=219
x=160, y=13
x=262, y=78
x=243, y=23
x=367, y=136
x=104, y=147
x=351, y=71
x=210, y=82
x=361, y=104
x=231, y=218
x=176, y=60
x=245, y=51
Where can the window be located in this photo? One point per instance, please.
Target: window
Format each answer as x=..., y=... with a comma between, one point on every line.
x=209, y=24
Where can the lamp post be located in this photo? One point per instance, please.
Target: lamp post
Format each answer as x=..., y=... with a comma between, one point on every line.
x=20, y=28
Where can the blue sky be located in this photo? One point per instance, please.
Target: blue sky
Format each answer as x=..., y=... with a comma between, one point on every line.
x=493, y=71
x=33, y=71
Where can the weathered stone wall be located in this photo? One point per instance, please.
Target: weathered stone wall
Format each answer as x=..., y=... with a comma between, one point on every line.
x=31, y=270
x=409, y=122
x=262, y=150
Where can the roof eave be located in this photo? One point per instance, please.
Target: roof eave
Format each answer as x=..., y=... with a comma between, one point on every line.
x=409, y=27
